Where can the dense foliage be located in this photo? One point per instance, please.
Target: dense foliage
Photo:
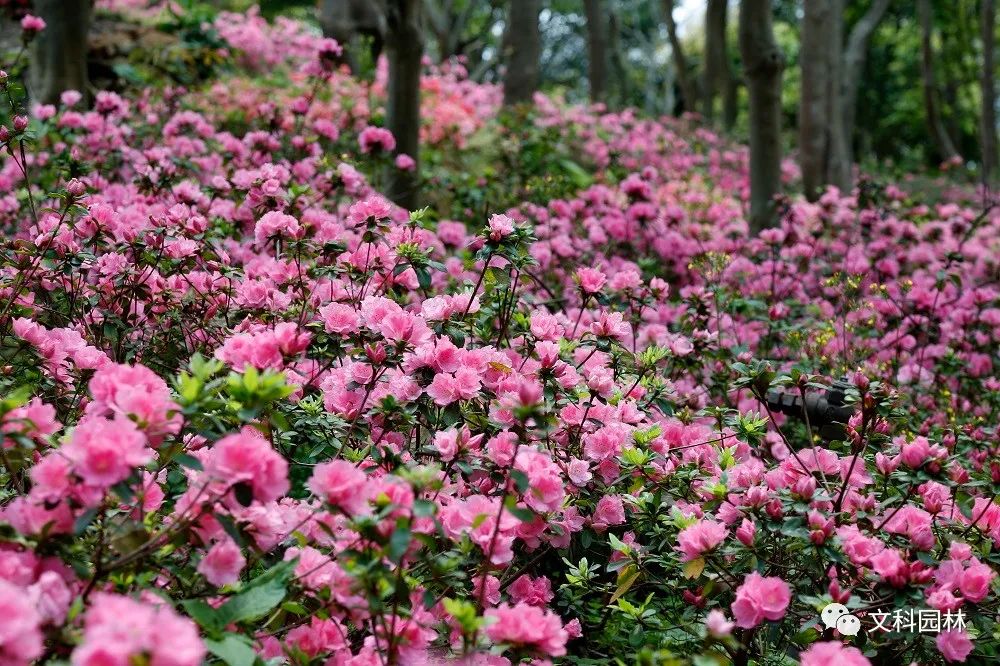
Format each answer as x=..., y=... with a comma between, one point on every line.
x=253, y=411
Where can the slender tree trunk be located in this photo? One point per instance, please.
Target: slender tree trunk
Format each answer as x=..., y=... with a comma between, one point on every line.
x=730, y=107
x=684, y=79
x=597, y=49
x=852, y=68
x=945, y=146
x=523, y=50
x=814, y=119
x=59, y=53
x=404, y=52
x=618, y=60
x=716, y=60
x=763, y=63
x=988, y=118
x=839, y=166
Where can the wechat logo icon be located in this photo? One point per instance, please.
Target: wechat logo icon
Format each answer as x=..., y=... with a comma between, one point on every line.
x=836, y=616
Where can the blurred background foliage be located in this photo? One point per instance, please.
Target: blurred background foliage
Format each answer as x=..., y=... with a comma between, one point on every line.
x=890, y=135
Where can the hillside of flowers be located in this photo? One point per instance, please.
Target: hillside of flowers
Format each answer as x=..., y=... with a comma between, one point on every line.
x=253, y=413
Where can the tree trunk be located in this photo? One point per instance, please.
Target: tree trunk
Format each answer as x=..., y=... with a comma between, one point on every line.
x=839, y=167
x=523, y=50
x=597, y=49
x=59, y=53
x=852, y=68
x=623, y=91
x=935, y=126
x=763, y=63
x=730, y=108
x=814, y=119
x=684, y=80
x=988, y=118
x=716, y=58
x=404, y=50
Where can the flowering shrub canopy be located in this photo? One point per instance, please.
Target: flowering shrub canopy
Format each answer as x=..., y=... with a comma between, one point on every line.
x=252, y=409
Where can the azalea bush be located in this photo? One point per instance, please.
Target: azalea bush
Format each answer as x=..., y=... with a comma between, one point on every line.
x=254, y=412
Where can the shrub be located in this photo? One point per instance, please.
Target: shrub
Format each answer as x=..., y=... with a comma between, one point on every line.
x=253, y=410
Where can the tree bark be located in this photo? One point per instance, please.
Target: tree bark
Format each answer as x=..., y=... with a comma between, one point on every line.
x=852, y=68
x=716, y=58
x=838, y=167
x=623, y=89
x=730, y=106
x=59, y=53
x=763, y=63
x=523, y=50
x=935, y=126
x=684, y=80
x=814, y=119
x=597, y=49
x=988, y=118
x=404, y=52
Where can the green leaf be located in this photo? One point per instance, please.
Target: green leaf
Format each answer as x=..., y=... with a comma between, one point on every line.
x=81, y=523
x=423, y=508
x=694, y=568
x=520, y=480
x=259, y=597
x=206, y=616
x=233, y=649
x=399, y=542
x=577, y=174
x=626, y=579
x=189, y=461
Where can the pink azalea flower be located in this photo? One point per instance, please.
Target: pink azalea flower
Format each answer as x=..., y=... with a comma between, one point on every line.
x=698, y=538
x=832, y=653
x=609, y=511
x=527, y=627
x=32, y=24
x=222, y=563
x=376, y=139
x=759, y=598
x=717, y=624
x=105, y=451
x=20, y=636
x=954, y=645
x=246, y=457
x=341, y=484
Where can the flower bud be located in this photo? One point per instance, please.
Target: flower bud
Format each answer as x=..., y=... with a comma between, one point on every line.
x=76, y=188
x=860, y=381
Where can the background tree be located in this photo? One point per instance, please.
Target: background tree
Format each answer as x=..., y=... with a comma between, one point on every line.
x=522, y=51
x=351, y=22
x=59, y=53
x=816, y=57
x=689, y=90
x=852, y=70
x=597, y=49
x=404, y=51
x=988, y=116
x=462, y=28
x=717, y=80
x=763, y=63
x=828, y=91
x=932, y=114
